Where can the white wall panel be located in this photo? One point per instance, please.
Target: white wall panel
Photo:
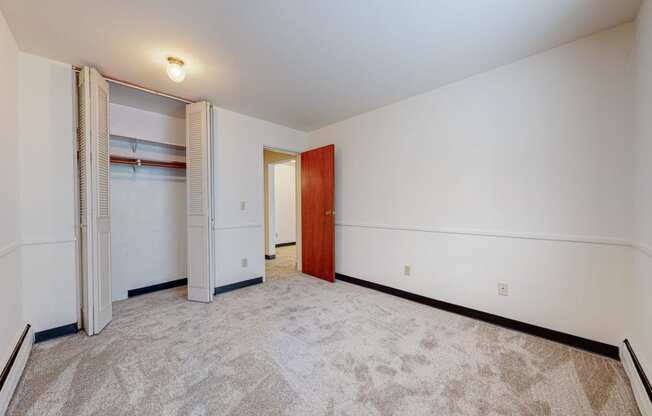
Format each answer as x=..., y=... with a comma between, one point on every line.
x=541, y=148
x=136, y=123
x=49, y=284
x=12, y=321
x=640, y=318
x=238, y=164
x=47, y=192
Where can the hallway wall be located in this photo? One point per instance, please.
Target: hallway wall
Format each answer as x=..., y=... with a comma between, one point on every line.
x=285, y=199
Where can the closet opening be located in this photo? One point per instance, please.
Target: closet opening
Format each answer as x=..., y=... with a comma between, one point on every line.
x=281, y=179
x=147, y=192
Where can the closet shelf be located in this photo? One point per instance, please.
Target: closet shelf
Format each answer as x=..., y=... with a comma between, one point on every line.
x=148, y=141
x=120, y=160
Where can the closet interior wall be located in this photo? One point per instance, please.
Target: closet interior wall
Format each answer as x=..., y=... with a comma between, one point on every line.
x=148, y=203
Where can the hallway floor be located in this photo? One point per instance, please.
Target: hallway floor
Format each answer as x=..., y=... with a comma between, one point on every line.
x=301, y=346
x=284, y=265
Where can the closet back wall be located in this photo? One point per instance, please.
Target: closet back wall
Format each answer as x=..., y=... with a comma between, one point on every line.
x=148, y=206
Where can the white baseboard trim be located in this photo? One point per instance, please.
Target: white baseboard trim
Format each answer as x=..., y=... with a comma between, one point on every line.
x=16, y=370
x=640, y=393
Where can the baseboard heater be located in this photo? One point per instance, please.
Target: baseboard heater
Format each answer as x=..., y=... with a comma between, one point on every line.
x=157, y=287
x=637, y=378
x=238, y=285
x=14, y=367
x=607, y=350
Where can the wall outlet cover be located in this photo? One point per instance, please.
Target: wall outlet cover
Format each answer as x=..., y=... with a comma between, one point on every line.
x=407, y=270
x=245, y=262
x=503, y=289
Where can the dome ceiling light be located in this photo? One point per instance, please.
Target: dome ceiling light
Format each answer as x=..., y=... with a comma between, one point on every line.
x=175, y=69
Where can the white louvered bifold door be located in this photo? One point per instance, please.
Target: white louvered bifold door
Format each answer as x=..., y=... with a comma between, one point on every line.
x=199, y=211
x=94, y=180
x=85, y=194
x=101, y=174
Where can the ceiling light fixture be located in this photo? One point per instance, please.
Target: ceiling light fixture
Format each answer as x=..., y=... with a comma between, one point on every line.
x=175, y=69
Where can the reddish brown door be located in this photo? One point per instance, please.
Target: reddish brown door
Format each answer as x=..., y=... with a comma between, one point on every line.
x=318, y=212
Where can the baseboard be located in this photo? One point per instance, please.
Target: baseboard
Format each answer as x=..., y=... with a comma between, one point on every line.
x=637, y=378
x=56, y=332
x=596, y=347
x=238, y=285
x=13, y=370
x=293, y=243
x=157, y=287
x=270, y=256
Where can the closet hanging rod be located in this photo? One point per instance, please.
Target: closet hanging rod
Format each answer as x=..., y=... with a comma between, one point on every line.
x=119, y=160
x=140, y=87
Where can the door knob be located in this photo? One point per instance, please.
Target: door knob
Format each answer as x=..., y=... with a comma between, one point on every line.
x=327, y=213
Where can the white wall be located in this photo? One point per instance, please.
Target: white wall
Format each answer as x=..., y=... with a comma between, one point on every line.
x=47, y=192
x=137, y=123
x=641, y=315
x=238, y=164
x=479, y=181
x=12, y=321
x=270, y=195
x=285, y=203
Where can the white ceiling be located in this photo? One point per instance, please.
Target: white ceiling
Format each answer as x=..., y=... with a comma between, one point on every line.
x=303, y=64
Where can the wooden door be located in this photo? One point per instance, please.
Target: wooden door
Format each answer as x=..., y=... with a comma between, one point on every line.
x=318, y=212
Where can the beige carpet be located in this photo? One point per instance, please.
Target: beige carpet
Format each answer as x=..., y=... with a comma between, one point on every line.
x=302, y=346
x=284, y=265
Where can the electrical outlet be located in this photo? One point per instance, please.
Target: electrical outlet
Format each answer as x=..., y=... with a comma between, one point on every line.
x=503, y=289
x=243, y=205
x=245, y=262
x=407, y=270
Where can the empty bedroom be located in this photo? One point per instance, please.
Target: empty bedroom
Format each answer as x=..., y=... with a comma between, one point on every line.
x=428, y=207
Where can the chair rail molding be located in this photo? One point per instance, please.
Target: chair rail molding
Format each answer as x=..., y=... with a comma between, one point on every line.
x=235, y=226
x=643, y=248
x=9, y=248
x=14, y=245
x=567, y=238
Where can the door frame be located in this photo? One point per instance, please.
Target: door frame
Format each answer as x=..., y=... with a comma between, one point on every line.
x=297, y=176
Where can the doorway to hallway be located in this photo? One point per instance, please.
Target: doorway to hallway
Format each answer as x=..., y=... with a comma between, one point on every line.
x=280, y=213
